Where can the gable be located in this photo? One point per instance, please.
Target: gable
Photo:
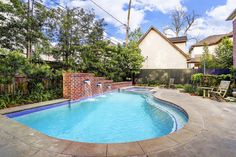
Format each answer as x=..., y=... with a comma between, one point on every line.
x=160, y=54
x=154, y=30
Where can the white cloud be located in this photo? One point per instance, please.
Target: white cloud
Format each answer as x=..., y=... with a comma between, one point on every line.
x=117, y=8
x=214, y=21
x=112, y=38
x=160, y=5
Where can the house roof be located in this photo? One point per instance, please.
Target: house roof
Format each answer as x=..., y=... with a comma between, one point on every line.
x=232, y=15
x=165, y=38
x=193, y=60
x=212, y=40
x=182, y=39
x=197, y=59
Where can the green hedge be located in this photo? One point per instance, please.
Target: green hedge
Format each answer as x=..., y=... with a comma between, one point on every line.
x=209, y=80
x=41, y=82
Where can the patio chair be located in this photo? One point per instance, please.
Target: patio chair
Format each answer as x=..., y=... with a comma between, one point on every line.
x=170, y=84
x=221, y=92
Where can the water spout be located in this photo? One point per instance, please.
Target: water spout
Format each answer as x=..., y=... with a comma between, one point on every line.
x=87, y=82
x=99, y=85
x=100, y=88
x=87, y=88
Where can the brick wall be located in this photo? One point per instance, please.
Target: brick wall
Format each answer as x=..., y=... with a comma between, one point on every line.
x=117, y=85
x=234, y=36
x=74, y=86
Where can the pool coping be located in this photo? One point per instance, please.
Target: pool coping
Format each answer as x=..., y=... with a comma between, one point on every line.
x=43, y=142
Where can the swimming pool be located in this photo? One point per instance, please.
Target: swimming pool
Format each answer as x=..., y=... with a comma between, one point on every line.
x=114, y=117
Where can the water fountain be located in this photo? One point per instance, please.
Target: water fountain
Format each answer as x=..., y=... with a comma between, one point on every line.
x=87, y=88
x=100, y=90
x=109, y=87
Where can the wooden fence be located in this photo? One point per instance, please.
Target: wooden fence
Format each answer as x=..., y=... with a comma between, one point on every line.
x=21, y=84
x=181, y=76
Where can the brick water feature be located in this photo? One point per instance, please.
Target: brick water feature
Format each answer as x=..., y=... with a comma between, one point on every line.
x=82, y=85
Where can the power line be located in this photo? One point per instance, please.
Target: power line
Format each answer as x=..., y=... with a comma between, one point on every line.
x=58, y=4
x=122, y=25
x=111, y=27
x=107, y=12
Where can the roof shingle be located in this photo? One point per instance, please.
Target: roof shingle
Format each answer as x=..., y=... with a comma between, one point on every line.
x=214, y=39
x=182, y=39
x=232, y=15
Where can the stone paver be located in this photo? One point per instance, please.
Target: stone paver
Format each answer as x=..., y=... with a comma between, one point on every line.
x=126, y=149
x=157, y=144
x=86, y=149
x=210, y=132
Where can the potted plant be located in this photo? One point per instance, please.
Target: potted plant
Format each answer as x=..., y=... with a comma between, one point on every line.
x=234, y=91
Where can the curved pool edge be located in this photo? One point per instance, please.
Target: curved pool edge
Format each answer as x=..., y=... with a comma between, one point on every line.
x=43, y=142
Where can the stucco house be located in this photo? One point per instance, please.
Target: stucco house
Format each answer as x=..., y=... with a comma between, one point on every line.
x=197, y=49
x=232, y=17
x=161, y=52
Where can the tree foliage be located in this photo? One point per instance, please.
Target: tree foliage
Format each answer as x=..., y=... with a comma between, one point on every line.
x=74, y=28
x=73, y=36
x=223, y=57
x=224, y=54
x=17, y=29
x=207, y=59
x=135, y=35
x=115, y=62
x=12, y=63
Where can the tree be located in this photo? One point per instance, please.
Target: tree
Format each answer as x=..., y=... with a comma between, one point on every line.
x=18, y=29
x=207, y=59
x=224, y=54
x=12, y=63
x=131, y=60
x=118, y=63
x=181, y=22
x=135, y=35
x=74, y=28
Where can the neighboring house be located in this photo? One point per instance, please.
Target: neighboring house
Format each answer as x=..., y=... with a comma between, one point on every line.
x=233, y=18
x=197, y=49
x=162, y=53
x=180, y=42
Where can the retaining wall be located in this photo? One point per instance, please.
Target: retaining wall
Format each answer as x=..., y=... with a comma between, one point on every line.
x=82, y=85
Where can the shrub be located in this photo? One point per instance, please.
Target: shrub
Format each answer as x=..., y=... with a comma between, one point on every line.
x=41, y=83
x=179, y=86
x=199, y=92
x=2, y=103
x=189, y=88
x=209, y=80
x=153, y=83
x=197, y=78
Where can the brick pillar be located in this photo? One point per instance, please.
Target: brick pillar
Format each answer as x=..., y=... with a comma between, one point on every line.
x=234, y=36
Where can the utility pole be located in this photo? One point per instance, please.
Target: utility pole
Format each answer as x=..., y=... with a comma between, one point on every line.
x=127, y=26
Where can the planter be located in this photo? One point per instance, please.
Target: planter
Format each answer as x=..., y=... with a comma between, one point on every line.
x=234, y=94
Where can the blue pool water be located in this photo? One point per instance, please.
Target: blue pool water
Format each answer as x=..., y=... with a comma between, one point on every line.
x=111, y=118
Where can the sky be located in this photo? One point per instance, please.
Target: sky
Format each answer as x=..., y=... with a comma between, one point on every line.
x=146, y=13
